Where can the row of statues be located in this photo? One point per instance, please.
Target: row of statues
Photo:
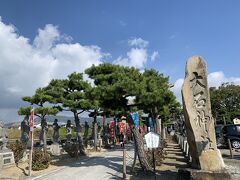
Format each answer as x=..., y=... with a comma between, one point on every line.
x=44, y=128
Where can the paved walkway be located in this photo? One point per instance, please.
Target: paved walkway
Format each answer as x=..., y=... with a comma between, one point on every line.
x=105, y=165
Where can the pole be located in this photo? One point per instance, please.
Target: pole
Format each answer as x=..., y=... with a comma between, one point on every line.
x=30, y=156
x=229, y=143
x=154, y=165
x=124, y=163
x=124, y=151
x=32, y=141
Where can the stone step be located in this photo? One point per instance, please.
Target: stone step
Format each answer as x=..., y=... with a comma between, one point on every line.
x=175, y=156
x=172, y=149
x=172, y=144
x=173, y=152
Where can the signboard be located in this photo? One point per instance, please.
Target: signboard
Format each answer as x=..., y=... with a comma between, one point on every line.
x=135, y=119
x=152, y=140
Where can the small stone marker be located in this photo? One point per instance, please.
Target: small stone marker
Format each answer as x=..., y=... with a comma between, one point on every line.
x=55, y=149
x=6, y=159
x=6, y=155
x=198, y=117
x=152, y=140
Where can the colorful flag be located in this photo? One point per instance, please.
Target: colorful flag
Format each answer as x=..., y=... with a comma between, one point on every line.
x=135, y=119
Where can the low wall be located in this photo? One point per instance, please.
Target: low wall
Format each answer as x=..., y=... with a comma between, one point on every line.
x=182, y=141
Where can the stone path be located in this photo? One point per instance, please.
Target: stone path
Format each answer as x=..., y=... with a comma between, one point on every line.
x=175, y=158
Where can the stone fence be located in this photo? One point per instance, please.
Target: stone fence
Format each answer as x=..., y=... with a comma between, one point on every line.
x=182, y=141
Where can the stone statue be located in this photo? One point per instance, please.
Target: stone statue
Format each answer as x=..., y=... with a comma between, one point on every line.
x=69, y=131
x=86, y=130
x=56, y=128
x=78, y=131
x=92, y=135
x=3, y=137
x=198, y=117
x=25, y=130
x=99, y=128
x=43, y=133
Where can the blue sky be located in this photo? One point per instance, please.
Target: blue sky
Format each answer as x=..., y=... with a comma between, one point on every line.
x=119, y=32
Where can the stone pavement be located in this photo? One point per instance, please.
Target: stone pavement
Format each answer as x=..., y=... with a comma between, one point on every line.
x=104, y=165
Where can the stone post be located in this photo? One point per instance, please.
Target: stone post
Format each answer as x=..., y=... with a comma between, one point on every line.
x=198, y=117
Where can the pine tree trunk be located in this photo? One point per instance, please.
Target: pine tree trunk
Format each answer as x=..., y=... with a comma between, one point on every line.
x=142, y=155
x=158, y=125
x=95, y=130
x=78, y=133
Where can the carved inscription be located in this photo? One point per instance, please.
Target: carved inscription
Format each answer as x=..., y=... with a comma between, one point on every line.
x=7, y=155
x=202, y=119
x=7, y=161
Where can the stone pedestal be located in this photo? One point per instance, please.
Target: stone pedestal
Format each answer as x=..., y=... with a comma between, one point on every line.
x=55, y=149
x=203, y=175
x=6, y=158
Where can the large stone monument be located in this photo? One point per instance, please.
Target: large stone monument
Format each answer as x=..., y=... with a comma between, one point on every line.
x=198, y=117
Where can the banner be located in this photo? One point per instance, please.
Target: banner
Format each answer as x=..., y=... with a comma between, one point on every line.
x=150, y=122
x=112, y=128
x=135, y=119
x=31, y=120
x=121, y=127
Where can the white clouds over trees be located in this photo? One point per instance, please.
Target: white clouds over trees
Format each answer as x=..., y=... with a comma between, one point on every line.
x=25, y=66
x=215, y=79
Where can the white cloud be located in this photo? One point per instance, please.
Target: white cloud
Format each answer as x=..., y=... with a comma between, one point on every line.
x=25, y=66
x=215, y=79
x=154, y=55
x=46, y=37
x=138, y=42
x=177, y=89
x=136, y=57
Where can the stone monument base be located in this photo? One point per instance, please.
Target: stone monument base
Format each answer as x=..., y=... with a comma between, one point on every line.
x=195, y=174
x=211, y=160
x=25, y=156
x=6, y=158
x=55, y=149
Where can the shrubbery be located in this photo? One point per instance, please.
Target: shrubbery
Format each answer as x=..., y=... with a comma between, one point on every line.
x=18, y=149
x=74, y=150
x=41, y=160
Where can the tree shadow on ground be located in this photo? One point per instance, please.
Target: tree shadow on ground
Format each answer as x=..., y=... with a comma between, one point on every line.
x=163, y=175
x=112, y=161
